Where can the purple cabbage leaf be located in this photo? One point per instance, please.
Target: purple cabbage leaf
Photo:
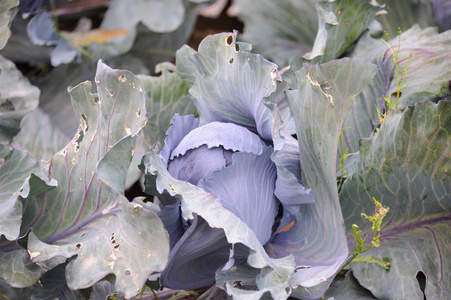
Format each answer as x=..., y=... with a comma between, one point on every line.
x=203, y=247
x=406, y=166
x=442, y=10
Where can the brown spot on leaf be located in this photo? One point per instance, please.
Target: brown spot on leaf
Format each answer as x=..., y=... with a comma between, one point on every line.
x=229, y=40
x=287, y=227
x=122, y=78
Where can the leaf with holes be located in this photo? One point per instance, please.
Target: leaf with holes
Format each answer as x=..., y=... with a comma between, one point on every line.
x=87, y=218
x=231, y=83
x=406, y=166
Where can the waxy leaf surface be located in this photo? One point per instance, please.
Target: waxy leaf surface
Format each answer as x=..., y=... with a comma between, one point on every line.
x=442, y=11
x=427, y=77
x=20, y=177
x=197, y=201
x=17, y=97
x=87, y=215
x=341, y=23
x=7, y=9
x=38, y=136
x=346, y=288
x=158, y=16
x=404, y=14
x=279, y=30
x=166, y=95
x=406, y=166
x=317, y=236
x=231, y=84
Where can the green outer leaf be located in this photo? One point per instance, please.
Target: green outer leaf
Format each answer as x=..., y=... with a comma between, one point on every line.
x=55, y=101
x=428, y=72
x=14, y=293
x=101, y=290
x=53, y=286
x=7, y=10
x=95, y=221
x=17, y=97
x=157, y=15
x=153, y=48
x=19, y=48
x=38, y=136
x=20, y=176
x=406, y=13
x=166, y=95
x=184, y=66
x=426, y=78
x=279, y=30
x=111, y=167
x=406, y=166
x=362, y=119
x=353, y=19
x=319, y=113
x=347, y=288
x=231, y=84
x=17, y=270
x=423, y=249
x=341, y=24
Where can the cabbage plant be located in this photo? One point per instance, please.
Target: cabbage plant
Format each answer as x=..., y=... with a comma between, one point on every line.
x=251, y=189
x=239, y=171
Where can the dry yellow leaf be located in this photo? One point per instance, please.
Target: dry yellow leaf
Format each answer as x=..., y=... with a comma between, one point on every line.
x=94, y=36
